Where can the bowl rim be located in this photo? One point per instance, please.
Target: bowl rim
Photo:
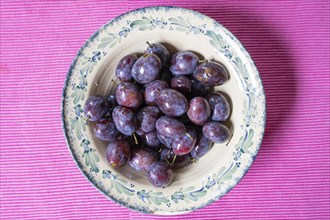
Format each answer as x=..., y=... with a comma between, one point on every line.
x=65, y=130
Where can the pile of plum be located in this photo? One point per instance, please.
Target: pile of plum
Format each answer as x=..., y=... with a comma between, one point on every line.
x=164, y=113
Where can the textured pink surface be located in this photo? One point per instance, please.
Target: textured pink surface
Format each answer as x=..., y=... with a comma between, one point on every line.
x=289, y=41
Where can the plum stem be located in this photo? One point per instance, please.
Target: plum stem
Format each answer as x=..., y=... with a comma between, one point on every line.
x=202, y=61
x=135, y=139
x=173, y=160
x=87, y=119
x=150, y=45
x=194, y=160
x=189, y=136
x=114, y=82
x=229, y=139
x=167, y=161
x=123, y=84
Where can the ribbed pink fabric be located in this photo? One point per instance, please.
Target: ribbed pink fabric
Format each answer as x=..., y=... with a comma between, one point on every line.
x=289, y=42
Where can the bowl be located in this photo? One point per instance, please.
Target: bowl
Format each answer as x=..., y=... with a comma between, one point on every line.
x=92, y=73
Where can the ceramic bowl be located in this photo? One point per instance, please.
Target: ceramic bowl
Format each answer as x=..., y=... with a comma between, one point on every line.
x=92, y=73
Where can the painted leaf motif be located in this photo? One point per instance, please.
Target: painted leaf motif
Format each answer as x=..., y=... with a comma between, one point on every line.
x=91, y=159
x=190, y=197
x=151, y=193
x=152, y=197
x=248, y=141
x=94, y=155
x=143, y=195
x=78, y=125
x=181, y=28
x=74, y=122
x=82, y=123
x=154, y=200
x=123, y=189
x=86, y=67
x=189, y=189
x=108, y=41
x=212, y=35
x=217, y=41
x=145, y=28
x=182, y=21
x=163, y=200
x=139, y=23
x=195, y=195
x=94, y=167
x=90, y=69
x=174, y=20
x=78, y=94
x=210, y=183
x=220, y=172
x=199, y=193
x=241, y=67
x=240, y=144
x=158, y=198
x=75, y=96
x=229, y=175
x=215, y=46
x=121, y=180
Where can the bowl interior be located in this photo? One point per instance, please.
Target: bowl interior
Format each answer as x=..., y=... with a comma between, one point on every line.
x=92, y=73
x=104, y=78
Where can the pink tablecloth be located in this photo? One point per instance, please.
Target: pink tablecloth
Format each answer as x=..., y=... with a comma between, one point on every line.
x=289, y=41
